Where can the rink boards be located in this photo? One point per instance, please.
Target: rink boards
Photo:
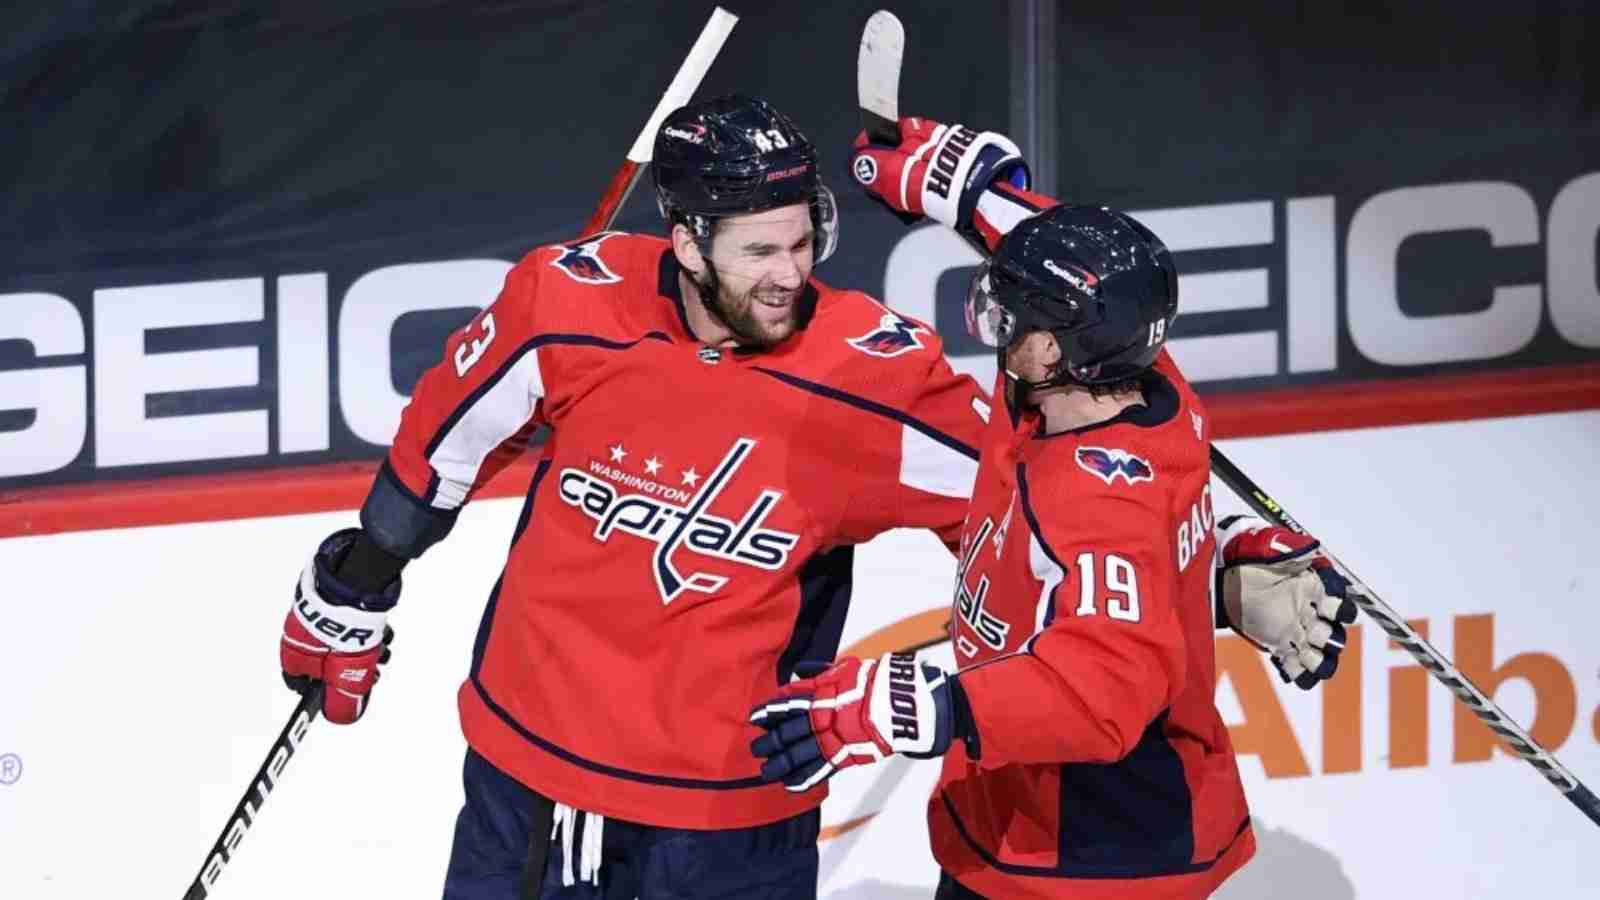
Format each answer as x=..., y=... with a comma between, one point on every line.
x=142, y=690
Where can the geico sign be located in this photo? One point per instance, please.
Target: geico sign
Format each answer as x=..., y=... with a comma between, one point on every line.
x=144, y=406
x=130, y=380
x=1378, y=324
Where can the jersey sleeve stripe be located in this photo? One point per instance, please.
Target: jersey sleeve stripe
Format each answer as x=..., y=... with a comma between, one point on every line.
x=580, y=340
x=928, y=465
x=497, y=411
x=1046, y=564
x=875, y=408
x=1047, y=570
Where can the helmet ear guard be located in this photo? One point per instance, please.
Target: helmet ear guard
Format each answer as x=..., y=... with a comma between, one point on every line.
x=825, y=222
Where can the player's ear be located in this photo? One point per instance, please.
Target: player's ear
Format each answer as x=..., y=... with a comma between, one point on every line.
x=687, y=250
x=1050, y=350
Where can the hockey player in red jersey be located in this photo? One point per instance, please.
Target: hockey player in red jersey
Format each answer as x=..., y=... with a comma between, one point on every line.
x=688, y=532
x=1083, y=754
x=687, y=535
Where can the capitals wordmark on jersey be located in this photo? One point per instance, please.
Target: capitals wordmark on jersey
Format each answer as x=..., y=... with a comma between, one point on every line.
x=655, y=516
x=970, y=602
x=687, y=532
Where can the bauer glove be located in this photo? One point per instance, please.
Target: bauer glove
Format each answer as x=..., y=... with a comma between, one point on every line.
x=1278, y=591
x=938, y=171
x=336, y=634
x=855, y=712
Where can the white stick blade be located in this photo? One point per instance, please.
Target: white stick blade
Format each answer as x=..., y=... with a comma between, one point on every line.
x=883, y=43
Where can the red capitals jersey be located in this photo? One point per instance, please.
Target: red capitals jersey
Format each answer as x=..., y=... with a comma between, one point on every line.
x=687, y=535
x=1083, y=630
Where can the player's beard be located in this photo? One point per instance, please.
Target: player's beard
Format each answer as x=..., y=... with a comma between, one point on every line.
x=737, y=313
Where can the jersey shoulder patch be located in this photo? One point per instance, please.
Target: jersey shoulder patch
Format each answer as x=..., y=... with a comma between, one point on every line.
x=582, y=261
x=893, y=336
x=1111, y=463
x=870, y=328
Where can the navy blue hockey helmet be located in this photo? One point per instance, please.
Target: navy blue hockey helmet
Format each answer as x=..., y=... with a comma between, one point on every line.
x=1099, y=281
x=734, y=155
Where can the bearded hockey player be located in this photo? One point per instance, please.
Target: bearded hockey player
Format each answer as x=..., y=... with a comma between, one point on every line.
x=1083, y=754
x=687, y=536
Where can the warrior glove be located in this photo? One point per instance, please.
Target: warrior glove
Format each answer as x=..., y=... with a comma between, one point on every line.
x=857, y=712
x=938, y=171
x=335, y=633
x=1278, y=590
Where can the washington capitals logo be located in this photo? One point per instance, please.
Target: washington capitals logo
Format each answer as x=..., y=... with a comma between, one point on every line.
x=582, y=261
x=1109, y=465
x=893, y=337
x=690, y=527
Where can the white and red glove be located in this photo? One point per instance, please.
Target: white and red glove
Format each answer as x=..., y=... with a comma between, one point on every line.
x=336, y=634
x=938, y=171
x=855, y=712
x=1278, y=591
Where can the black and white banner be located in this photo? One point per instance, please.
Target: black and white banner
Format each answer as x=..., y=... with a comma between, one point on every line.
x=245, y=255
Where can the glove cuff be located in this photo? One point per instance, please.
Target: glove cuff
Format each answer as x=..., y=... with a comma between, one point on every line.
x=344, y=618
x=960, y=169
x=337, y=591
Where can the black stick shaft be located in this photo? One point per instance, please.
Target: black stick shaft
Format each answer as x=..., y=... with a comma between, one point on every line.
x=1510, y=733
x=255, y=796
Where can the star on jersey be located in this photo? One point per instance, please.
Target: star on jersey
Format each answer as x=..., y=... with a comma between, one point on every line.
x=654, y=516
x=691, y=477
x=652, y=466
x=617, y=453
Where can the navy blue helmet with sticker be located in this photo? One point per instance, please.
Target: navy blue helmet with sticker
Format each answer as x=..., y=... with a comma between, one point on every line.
x=1098, y=280
x=734, y=155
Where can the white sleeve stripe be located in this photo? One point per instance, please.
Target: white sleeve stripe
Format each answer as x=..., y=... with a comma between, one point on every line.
x=1002, y=212
x=1046, y=570
x=935, y=467
x=493, y=417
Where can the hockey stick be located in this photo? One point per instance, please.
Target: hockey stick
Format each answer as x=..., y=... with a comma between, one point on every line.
x=244, y=814
x=683, y=86
x=1511, y=734
x=883, y=46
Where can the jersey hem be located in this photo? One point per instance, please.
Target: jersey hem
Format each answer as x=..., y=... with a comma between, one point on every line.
x=669, y=805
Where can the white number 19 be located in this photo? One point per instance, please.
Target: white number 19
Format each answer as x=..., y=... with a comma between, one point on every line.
x=1121, y=580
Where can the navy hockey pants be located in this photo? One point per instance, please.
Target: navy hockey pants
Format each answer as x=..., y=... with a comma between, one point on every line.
x=487, y=861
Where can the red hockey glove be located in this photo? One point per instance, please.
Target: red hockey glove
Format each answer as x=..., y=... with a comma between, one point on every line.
x=853, y=713
x=335, y=634
x=1279, y=592
x=938, y=171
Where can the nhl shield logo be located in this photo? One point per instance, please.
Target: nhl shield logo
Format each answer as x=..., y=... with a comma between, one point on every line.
x=893, y=336
x=1110, y=464
x=582, y=262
